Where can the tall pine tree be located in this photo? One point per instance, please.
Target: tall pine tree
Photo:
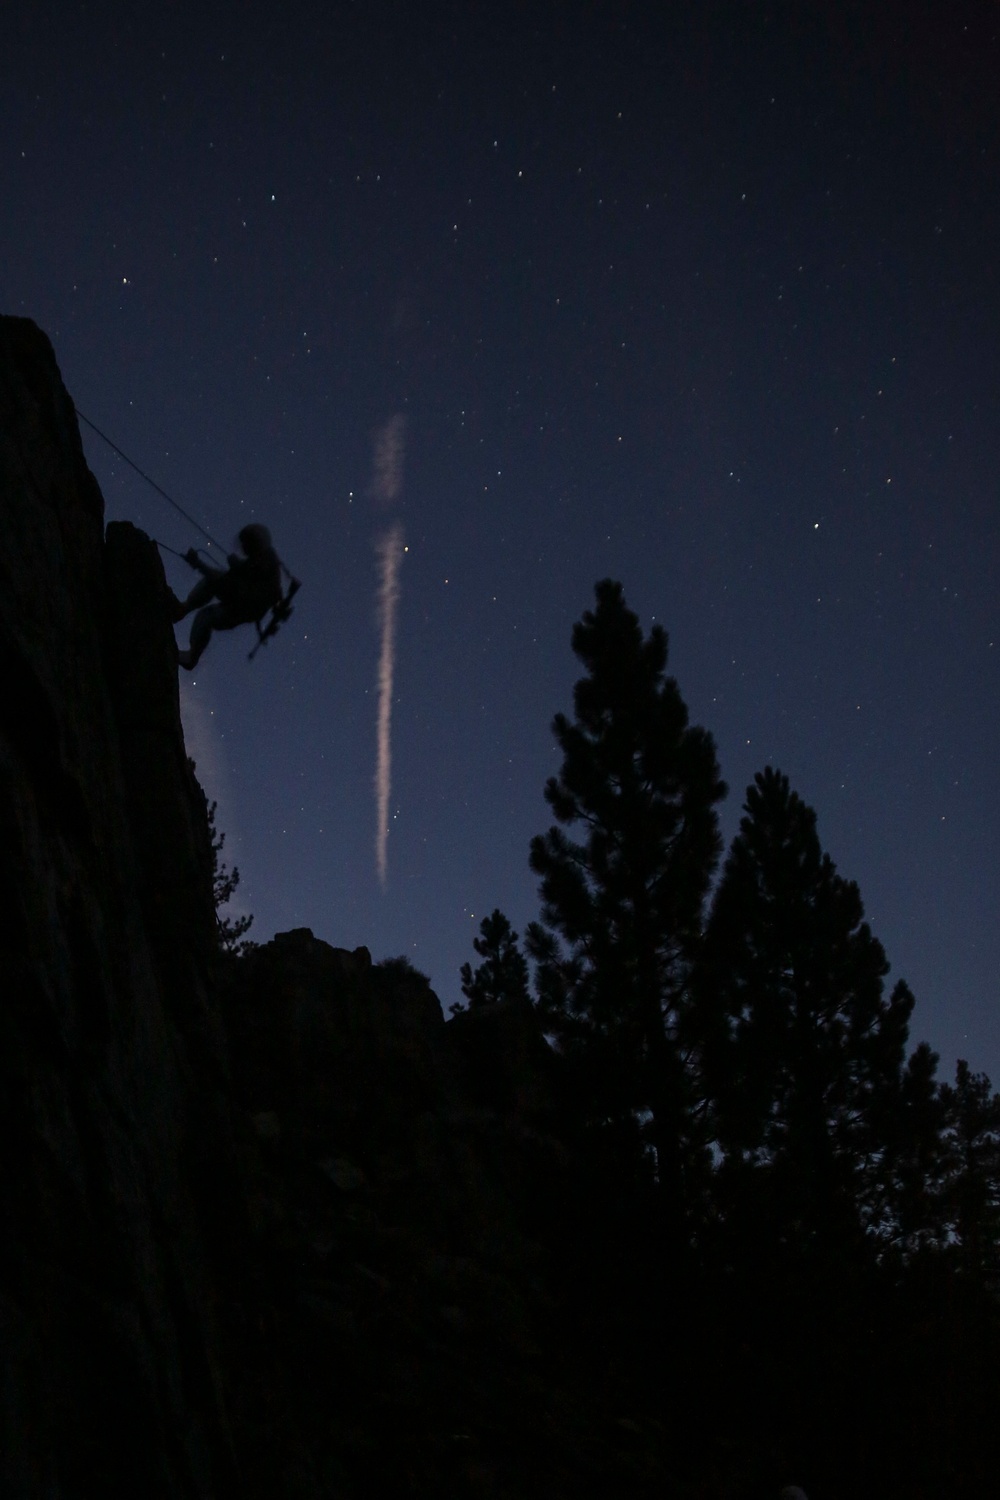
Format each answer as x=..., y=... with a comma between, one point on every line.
x=806, y=1054
x=622, y=904
x=971, y=1192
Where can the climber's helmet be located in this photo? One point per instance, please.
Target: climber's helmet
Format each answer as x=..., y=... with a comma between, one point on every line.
x=255, y=539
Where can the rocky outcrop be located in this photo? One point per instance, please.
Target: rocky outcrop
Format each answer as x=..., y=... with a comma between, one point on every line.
x=404, y=1220
x=108, y=1047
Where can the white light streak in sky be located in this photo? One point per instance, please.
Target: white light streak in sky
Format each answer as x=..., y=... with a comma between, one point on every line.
x=389, y=550
x=386, y=488
x=389, y=449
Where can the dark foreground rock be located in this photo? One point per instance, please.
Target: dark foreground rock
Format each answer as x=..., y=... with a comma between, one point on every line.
x=112, y=1371
x=406, y=1298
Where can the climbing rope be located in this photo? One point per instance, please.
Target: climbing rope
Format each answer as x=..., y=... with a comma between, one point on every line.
x=279, y=613
x=158, y=488
x=172, y=550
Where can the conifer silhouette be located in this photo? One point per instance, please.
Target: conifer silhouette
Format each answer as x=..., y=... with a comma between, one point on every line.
x=225, y=882
x=503, y=974
x=622, y=908
x=972, y=1185
x=806, y=1056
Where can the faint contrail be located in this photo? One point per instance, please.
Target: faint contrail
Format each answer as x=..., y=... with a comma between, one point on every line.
x=386, y=487
x=389, y=549
x=389, y=448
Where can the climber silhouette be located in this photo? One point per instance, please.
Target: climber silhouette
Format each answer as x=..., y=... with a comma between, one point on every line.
x=243, y=592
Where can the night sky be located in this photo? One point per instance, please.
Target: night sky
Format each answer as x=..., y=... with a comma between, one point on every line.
x=700, y=297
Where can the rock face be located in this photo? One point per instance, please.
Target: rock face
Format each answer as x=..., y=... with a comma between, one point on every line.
x=108, y=1050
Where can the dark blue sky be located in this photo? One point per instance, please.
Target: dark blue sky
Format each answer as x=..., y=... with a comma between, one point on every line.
x=707, y=304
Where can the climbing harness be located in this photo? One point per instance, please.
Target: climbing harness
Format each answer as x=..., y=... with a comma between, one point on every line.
x=280, y=612
x=271, y=621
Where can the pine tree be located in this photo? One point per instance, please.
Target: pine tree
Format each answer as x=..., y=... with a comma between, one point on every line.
x=225, y=882
x=805, y=1054
x=907, y=1213
x=622, y=908
x=972, y=1184
x=503, y=974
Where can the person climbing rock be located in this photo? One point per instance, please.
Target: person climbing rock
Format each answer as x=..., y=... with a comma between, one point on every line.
x=242, y=593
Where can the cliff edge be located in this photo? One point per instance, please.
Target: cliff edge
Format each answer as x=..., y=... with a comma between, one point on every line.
x=108, y=1042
